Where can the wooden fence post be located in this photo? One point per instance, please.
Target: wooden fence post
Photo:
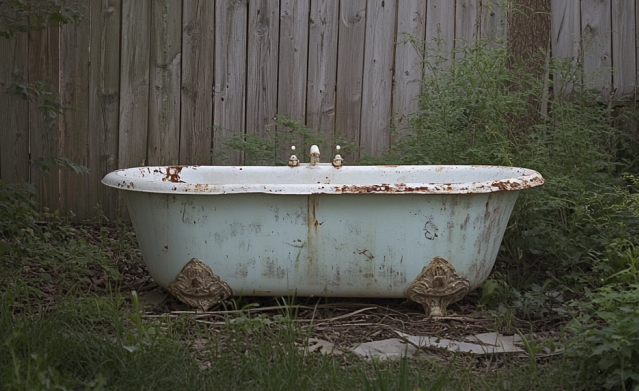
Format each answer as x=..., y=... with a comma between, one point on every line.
x=350, y=72
x=14, y=115
x=75, y=41
x=229, y=96
x=322, y=67
x=44, y=135
x=104, y=103
x=196, y=92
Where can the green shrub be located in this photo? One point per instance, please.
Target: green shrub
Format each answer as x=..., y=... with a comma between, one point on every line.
x=620, y=263
x=605, y=338
x=17, y=208
x=273, y=148
x=481, y=111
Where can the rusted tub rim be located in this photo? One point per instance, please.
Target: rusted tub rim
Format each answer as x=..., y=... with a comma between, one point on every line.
x=167, y=180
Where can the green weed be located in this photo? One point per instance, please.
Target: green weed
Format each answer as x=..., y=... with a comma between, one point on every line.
x=273, y=148
x=480, y=110
x=605, y=338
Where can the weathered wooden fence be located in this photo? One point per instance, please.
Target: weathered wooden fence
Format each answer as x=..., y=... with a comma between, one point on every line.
x=163, y=81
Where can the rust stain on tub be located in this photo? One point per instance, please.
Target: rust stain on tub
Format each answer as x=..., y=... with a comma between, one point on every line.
x=394, y=188
x=173, y=174
x=312, y=237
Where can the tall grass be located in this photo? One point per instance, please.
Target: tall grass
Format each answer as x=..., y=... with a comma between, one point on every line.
x=83, y=346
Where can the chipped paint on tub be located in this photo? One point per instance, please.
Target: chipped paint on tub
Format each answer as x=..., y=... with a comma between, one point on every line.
x=356, y=231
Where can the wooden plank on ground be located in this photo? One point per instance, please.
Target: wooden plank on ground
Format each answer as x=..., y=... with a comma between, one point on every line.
x=322, y=67
x=14, y=115
x=467, y=15
x=596, y=35
x=198, y=59
x=565, y=37
x=164, y=76
x=494, y=22
x=134, y=83
x=378, y=76
x=44, y=67
x=229, y=98
x=623, y=47
x=74, y=93
x=262, y=64
x=440, y=32
x=350, y=60
x=104, y=104
x=411, y=24
x=293, y=62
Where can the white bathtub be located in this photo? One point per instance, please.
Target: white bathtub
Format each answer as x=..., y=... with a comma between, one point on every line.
x=429, y=233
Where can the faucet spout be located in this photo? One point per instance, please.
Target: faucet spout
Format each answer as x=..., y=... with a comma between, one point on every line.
x=315, y=155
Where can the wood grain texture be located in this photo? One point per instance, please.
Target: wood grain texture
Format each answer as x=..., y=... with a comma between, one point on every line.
x=596, y=35
x=196, y=93
x=565, y=37
x=565, y=28
x=411, y=22
x=134, y=83
x=75, y=41
x=293, y=62
x=104, y=104
x=229, y=99
x=350, y=60
x=44, y=134
x=440, y=34
x=163, y=144
x=262, y=65
x=467, y=19
x=378, y=76
x=322, y=67
x=624, y=47
x=14, y=115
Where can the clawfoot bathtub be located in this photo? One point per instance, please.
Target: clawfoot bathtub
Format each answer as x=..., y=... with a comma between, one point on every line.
x=427, y=233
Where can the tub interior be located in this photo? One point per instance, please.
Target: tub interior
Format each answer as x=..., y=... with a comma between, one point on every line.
x=362, y=175
x=323, y=179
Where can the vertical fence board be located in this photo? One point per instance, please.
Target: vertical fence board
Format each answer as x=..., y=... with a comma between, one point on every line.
x=263, y=36
x=134, y=83
x=494, y=21
x=411, y=22
x=229, y=111
x=104, y=99
x=565, y=28
x=440, y=34
x=75, y=40
x=14, y=115
x=350, y=59
x=164, y=78
x=198, y=59
x=378, y=76
x=623, y=47
x=322, y=67
x=596, y=37
x=44, y=66
x=565, y=37
x=467, y=15
x=293, y=59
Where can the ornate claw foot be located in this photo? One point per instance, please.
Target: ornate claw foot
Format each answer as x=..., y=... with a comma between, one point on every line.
x=437, y=286
x=197, y=286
